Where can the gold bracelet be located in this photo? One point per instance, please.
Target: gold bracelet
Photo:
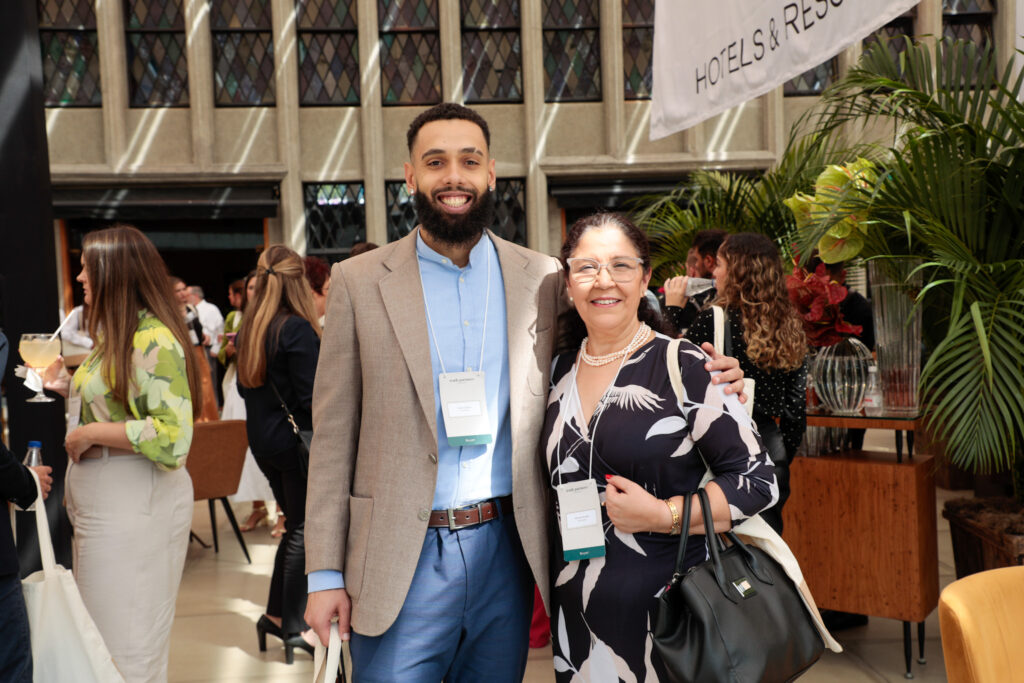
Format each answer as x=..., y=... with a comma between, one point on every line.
x=675, y=530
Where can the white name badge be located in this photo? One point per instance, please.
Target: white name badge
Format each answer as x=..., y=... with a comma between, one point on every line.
x=579, y=511
x=464, y=408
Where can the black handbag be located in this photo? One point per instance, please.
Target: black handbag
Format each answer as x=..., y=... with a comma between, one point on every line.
x=737, y=617
x=305, y=436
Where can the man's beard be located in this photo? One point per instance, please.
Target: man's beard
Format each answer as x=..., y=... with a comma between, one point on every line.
x=456, y=229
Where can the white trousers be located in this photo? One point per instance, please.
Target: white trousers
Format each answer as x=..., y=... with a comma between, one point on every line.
x=131, y=524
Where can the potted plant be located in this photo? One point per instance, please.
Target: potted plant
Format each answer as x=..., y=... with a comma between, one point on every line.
x=948, y=192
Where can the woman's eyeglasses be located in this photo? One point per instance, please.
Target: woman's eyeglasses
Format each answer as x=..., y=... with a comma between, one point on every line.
x=620, y=269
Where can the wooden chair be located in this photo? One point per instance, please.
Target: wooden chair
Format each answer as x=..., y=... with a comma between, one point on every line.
x=980, y=618
x=215, y=464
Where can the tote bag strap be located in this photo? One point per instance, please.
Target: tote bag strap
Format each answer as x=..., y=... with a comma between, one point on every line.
x=718, y=319
x=42, y=527
x=327, y=660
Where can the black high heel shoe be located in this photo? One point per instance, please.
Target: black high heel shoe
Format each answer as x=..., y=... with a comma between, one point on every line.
x=292, y=642
x=265, y=626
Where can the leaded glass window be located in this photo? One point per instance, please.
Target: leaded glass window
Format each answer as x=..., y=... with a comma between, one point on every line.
x=410, y=52
x=894, y=34
x=509, y=210
x=155, y=51
x=335, y=218
x=491, y=51
x=572, y=51
x=328, y=52
x=969, y=20
x=813, y=81
x=638, y=47
x=243, y=53
x=71, y=59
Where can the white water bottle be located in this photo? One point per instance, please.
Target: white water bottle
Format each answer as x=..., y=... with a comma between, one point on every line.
x=698, y=285
x=34, y=457
x=874, y=404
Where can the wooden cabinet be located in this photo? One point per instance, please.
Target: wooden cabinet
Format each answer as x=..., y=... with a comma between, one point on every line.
x=864, y=530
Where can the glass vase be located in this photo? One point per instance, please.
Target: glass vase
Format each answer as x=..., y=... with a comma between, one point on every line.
x=897, y=332
x=841, y=376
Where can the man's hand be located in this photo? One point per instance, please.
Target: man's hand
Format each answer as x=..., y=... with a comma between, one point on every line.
x=632, y=509
x=675, y=291
x=730, y=371
x=45, y=480
x=322, y=607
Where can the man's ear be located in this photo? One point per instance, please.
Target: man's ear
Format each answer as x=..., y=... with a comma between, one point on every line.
x=410, y=179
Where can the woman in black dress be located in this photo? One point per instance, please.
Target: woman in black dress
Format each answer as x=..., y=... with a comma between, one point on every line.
x=613, y=418
x=278, y=346
x=768, y=338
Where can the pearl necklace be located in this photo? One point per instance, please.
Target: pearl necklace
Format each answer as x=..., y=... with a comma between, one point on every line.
x=638, y=340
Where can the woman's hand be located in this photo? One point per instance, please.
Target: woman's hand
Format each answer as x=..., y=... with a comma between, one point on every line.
x=56, y=377
x=730, y=371
x=675, y=291
x=229, y=347
x=632, y=509
x=80, y=440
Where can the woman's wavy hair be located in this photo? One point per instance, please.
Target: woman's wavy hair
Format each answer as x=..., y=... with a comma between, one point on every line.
x=572, y=326
x=756, y=287
x=281, y=290
x=126, y=274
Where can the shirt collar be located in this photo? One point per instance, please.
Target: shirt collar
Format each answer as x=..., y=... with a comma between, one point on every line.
x=478, y=254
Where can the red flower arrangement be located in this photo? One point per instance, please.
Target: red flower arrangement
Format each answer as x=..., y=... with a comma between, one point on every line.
x=816, y=297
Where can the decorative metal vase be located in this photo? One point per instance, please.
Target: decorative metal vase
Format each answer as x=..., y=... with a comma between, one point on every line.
x=897, y=332
x=841, y=376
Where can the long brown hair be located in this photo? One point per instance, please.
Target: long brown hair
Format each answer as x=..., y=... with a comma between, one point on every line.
x=756, y=286
x=126, y=275
x=281, y=289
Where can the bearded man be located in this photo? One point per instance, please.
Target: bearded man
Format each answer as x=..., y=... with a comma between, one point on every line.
x=427, y=509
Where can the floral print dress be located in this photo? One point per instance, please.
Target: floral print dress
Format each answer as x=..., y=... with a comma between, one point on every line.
x=603, y=608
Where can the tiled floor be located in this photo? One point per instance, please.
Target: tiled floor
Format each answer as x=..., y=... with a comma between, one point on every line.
x=214, y=635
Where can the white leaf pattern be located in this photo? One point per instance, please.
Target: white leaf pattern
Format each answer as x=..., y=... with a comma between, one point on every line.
x=562, y=666
x=666, y=425
x=566, y=575
x=593, y=571
x=604, y=666
x=569, y=465
x=629, y=541
x=684, y=448
x=563, y=635
x=633, y=397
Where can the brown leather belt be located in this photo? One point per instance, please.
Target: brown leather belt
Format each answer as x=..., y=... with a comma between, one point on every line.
x=96, y=452
x=471, y=515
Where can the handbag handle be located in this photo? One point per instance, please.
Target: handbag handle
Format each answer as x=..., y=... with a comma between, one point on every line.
x=715, y=545
x=284, y=406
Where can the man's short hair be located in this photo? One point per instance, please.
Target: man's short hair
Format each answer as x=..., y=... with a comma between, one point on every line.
x=707, y=242
x=447, y=111
x=198, y=291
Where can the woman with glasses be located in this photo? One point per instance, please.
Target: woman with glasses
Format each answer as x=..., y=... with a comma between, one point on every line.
x=622, y=451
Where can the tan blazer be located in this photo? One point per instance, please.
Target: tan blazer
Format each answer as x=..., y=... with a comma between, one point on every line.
x=373, y=464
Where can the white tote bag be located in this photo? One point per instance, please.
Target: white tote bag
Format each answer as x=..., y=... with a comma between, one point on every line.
x=66, y=645
x=326, y=660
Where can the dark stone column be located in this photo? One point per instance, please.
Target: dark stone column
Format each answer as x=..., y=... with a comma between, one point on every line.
x=28, y=270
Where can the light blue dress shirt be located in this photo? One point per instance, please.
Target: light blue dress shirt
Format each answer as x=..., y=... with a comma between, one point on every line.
x=457, y=302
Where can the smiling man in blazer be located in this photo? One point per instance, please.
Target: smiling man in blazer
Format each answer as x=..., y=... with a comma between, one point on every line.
x=427, y=511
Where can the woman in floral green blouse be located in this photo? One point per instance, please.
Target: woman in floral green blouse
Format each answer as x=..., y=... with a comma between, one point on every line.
x=128, y=495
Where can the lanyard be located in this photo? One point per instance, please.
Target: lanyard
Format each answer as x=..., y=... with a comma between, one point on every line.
x=487, y=306
x=564, y=407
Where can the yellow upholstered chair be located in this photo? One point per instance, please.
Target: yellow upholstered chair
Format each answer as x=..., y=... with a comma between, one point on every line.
x=215, y=462
x=982, y=622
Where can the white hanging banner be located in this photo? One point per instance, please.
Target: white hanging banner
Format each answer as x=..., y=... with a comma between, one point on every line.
x=710, y=56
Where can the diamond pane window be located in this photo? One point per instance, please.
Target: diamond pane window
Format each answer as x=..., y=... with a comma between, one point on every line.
x=968, y=7
x=243, y=53
x=572, y=51
x=510, y=210
x=894, y=34
x=638, y=47
x=328, y=52
x=335, y=218
x=155, y=52
x=401, y=210
x=410, y=68
x=813, y=81
x=491, y=51
x=407, y=15
x=70, y=56
x=970, y=21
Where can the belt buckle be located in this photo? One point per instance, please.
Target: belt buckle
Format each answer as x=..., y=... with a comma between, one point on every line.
x=452, y=526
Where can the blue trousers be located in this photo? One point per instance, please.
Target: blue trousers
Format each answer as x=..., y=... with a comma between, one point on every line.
x=15, y=646
x=466, y=617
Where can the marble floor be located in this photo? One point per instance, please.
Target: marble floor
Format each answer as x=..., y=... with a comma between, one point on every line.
x=214, y=633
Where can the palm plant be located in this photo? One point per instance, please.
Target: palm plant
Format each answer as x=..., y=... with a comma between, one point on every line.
x=950, y=191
